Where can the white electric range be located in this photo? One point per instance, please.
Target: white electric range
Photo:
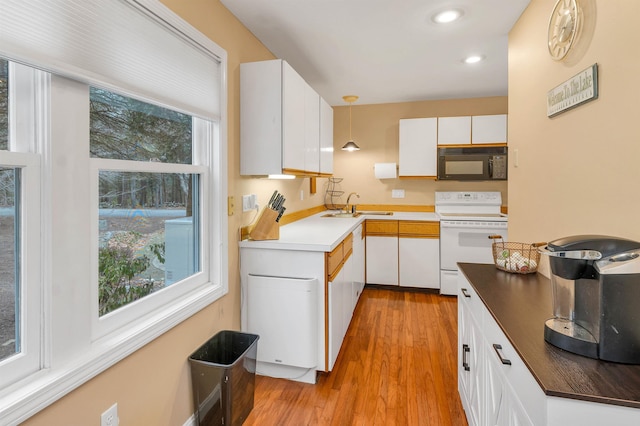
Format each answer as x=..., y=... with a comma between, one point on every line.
x=467, y=219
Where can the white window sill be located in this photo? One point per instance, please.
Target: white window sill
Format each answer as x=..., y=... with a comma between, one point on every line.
x=23, y=399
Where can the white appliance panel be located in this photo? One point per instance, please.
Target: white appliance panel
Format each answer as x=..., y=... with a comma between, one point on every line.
x=283, y=312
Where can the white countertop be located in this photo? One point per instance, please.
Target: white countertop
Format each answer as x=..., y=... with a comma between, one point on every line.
x=317, y=233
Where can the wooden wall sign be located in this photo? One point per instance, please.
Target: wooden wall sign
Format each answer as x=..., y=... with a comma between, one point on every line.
x=581, y=88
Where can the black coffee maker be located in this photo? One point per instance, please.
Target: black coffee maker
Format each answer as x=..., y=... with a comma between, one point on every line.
x=595, y=282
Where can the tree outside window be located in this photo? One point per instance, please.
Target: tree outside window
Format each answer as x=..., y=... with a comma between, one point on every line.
x=148, y=221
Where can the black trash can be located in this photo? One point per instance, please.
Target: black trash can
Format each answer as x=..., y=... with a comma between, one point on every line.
x=223, y=373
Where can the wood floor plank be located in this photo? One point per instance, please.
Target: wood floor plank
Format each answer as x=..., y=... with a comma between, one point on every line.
x=397, y=366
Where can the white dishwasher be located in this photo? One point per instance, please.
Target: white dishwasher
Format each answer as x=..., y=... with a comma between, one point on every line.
x=284, y=313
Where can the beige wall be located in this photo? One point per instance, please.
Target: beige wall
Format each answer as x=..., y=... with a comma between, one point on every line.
x=578, y=171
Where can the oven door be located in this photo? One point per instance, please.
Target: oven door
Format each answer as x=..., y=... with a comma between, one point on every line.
x=467, y=241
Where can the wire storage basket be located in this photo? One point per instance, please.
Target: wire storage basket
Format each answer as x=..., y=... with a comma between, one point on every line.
x=518, y=258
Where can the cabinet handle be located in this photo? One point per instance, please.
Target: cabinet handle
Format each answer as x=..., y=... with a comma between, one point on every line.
x=465, y=292
x=503, y=360
x=465, y=350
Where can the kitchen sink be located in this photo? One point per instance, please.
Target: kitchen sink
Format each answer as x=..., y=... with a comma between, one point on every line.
x=356, y=214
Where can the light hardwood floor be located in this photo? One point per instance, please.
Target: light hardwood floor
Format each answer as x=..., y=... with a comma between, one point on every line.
x=397, y=366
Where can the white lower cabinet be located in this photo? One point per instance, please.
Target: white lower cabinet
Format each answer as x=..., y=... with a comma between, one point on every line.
x=489, y=370
x=357, y=269
x=419, y=262
x=470, y=355
x=497, y=388
x=382, y=260
x=338, y=304
x=405, y=253
x=302, y=335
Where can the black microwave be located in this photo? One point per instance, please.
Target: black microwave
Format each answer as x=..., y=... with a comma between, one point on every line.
x=472, y=163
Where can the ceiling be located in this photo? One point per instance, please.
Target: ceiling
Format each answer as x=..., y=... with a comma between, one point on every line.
x=387, y=51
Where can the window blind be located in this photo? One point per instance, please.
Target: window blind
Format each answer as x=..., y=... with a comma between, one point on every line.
x=138, y=47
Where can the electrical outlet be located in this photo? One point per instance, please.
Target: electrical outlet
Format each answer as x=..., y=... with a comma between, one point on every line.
x=246, y=203
x=249, y=202
x=110, y=417
x=397, y=193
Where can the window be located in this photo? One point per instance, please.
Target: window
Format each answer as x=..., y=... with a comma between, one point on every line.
x=4, y=104
x=20, y=279
x=114, y=173
x=149, y=223
x=9, y=272
x=9, y=320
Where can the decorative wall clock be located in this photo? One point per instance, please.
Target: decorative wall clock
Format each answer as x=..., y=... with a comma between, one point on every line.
x=564, y=27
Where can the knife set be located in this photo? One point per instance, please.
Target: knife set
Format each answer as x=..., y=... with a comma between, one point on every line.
x=267, y=226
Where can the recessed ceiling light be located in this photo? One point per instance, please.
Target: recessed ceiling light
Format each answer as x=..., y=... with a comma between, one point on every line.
x=473, y=59
x=447, y=16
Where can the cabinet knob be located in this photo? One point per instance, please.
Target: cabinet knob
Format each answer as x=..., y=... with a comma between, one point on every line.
x=465, y=292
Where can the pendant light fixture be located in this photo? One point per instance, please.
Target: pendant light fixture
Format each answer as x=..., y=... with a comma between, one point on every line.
x=350, y=145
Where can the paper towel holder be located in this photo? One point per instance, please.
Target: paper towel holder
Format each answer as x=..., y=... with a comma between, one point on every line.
x=385, y=170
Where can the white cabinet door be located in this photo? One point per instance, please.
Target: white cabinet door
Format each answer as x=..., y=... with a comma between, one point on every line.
x=419, y=262
x=336, y=322
x=454, y=130
x=272, y=302
x=358, y=264
x=293, y=118
x=382, y=260
x=326, y=137
x=418, y=147
x=311, y=130
x=497, y=409
x=347, y=296
x=470, y=365
x=489, y=129
x=261, y=118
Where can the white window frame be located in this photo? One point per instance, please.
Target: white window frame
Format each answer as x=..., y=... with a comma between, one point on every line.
x=126, y=315
x=23, y=154
x=73, y=346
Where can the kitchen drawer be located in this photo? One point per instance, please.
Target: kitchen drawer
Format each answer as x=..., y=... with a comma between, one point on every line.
x=419, y=229
x=381, y=227
x=468, y=296
x=334, y=259
x=347, y=246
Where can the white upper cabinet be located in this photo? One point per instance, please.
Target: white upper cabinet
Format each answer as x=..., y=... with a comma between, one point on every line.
x=454, y=130
x=326, y=137
x=418, y=147
x=294, y=90
x=311, y=130
x=261, y=132
x=489, y=129
x=279, y=121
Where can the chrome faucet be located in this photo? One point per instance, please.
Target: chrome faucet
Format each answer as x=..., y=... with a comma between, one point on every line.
x=353, y=208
